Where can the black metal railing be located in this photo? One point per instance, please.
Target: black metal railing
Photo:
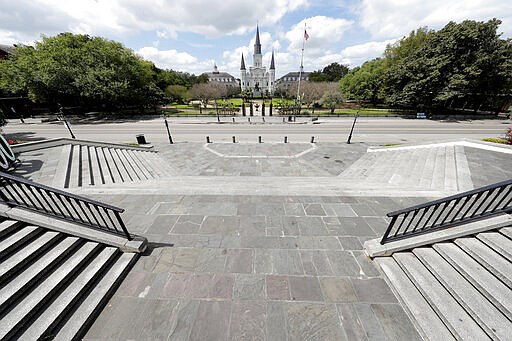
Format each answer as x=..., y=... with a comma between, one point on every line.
x=16, y=191
x=450, y=211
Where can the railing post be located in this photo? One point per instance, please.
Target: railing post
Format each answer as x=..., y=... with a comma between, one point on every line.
x=388, y=231
x=123, y=227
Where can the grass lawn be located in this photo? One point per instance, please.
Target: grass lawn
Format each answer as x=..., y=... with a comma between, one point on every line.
x=362, y=111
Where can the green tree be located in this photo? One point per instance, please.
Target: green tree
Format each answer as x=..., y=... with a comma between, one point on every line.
x=331, y=73
x=80, y=70
x=176, y=93
x=365, y=82
x=461, y=66
x=332, y=99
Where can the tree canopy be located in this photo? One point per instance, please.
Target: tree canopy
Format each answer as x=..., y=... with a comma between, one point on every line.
x=331, y=73
x=80, y=70
x=460, y=67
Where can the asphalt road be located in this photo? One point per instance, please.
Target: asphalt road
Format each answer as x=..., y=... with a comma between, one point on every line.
x=371, y=130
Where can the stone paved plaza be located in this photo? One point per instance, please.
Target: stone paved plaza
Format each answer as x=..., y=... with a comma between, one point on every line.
x=264, y=242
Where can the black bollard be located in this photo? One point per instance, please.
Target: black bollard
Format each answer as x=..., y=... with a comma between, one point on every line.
x=352, y=129
x=234, y=139
x=208, y=139
x=312, y=139
x=249, y=119
x=286, y=139
x=168, y=132
x=69, y=128
x=259, y=139
x=233, y=120
x=263, y=118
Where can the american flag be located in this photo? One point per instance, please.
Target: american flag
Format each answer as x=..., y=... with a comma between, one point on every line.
x=306, y=35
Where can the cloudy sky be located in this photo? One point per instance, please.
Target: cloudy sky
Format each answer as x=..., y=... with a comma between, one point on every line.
x=192, y=35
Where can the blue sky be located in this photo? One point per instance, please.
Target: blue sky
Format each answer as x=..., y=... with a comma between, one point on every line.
x=192, y=35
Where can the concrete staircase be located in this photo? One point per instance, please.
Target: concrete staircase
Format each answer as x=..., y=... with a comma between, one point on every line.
x=443, y=167
x=457, y=289
x=52, y=285
x=82, y=165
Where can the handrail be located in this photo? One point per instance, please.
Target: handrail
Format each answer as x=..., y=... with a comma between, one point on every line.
x=450, y=211
x=16, y=191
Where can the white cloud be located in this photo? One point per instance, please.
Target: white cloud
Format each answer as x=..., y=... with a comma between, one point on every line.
x=323, y=32
x=357, y=54
x=392, y=18
x=173, y=59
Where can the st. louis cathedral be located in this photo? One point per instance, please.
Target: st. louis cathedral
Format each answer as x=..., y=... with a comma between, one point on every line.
x=258, y=79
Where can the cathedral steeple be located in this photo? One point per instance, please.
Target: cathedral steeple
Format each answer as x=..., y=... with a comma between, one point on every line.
x=272, y=66
x=242, y=64
x=257, y=44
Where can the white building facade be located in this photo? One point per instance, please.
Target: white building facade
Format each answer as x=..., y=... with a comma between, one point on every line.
x=258, y=79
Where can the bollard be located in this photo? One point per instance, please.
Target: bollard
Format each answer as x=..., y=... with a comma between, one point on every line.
x=263, y=118
x=168, y=131
x=233, y=120
x=208, y=139
x=312, y=139
x=249, y=119
x=234, y=139
x=283, y=120
x=259, y=139
x=286, y=139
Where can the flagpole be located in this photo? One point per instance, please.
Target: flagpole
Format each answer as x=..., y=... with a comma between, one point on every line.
x=301, y=62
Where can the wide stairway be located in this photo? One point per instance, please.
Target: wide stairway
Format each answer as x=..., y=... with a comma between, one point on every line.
x=53, y=285
x=83, y=165
x=458, y=289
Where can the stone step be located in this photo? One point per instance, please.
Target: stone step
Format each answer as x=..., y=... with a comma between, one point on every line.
x=25, y=254
x=488, y=258
x=39, y=296
x=62, y=304
x=488, y=317
x=7, y=226
x=15, y=240
x=455, y=318
x=12, y=290
x=120, y=166
x=507, y=232
x=95, y=171
x=88, y=310
x=498, y=242
x=61, y=178
x=141, y=172
x=484, y=281
x=112, y=166
x=104, y=168
x=86, y=168
x=426, y=321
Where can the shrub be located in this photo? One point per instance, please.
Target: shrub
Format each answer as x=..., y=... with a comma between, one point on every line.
x=495, y=140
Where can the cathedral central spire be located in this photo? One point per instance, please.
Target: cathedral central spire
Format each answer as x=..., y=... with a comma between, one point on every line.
x=257, y=44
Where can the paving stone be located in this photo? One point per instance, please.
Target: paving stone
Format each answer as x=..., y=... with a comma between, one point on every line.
x=139, y=223
x=350, y=322
x=274, y=221
x=248, y=320
x=314, y=210
x=220, y=224
x=261, y=209
x=187, y=224
x=363, y=210
x=287, y=262
x=392, y=318
x=369, y=321
x=343, y=263
x=322, y=322
x=305, y=289
x=212, y=260
x=239, y=260
x=368, y=267
x=338, y=289
x=134, y=283
x=261, y=242
x=294, y=209
x=154, y=289
x=316, y=263
x=377, y=224
x=373, y=290
x=318, y=242
x=249, y=287
x=153, y=321
x=178, y=259
x=339, y=210
x=177, y=286
x=182, y=319
x=252, y=226
x=230, y=242
x=291, y=226
x=199, y=285
x=162, y=224
x=355, y=227
x=263, y=263
x=212, y=321
x=276, y=321
x=277, y=287
x=350, y=243
x=289, y=242
x=312, y=226
x=221, y=286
